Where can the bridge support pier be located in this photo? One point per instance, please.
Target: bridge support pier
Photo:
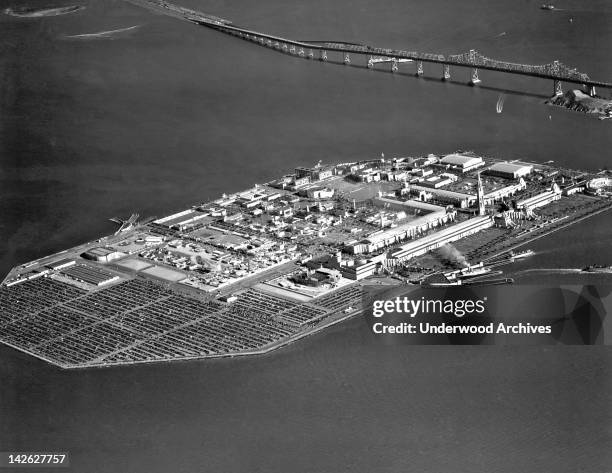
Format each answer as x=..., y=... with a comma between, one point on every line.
x=285, y=48
x=292, y=49
x=301, y=52
x=323, y=56
x=277, y=45
x=394, y=65
x=446, y=72
x=310, y=54
x=419, y=68
x=475, y=80
x=347, y=58
x=558, y=89
x=370, y=62
x=269, y=43
x=592, y=91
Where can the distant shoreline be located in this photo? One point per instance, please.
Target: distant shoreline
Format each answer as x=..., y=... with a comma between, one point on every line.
x=26, y=12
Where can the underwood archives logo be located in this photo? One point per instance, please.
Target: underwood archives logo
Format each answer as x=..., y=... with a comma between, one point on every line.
x=490, y=315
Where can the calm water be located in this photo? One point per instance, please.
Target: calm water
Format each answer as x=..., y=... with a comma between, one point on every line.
x=170, y=113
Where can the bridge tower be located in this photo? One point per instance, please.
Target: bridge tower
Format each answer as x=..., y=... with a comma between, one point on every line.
x=475, y=80
x=558, y=90
x=592, y=91
x=472, y=60
x=446, y=72
x=394, y=65
x=347, y=58
x=419, y=70
x=480, y=197
x=323, y=56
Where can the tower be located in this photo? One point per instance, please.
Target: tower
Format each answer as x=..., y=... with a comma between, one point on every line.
x=480, y=196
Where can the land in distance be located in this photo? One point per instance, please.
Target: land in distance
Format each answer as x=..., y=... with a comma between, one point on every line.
x=580, y=102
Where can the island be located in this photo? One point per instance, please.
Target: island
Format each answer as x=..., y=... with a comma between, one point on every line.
x=580, y=102
x=254, y=270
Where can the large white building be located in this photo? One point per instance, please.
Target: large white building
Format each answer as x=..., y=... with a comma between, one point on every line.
x=435, y=217
x=540, y=200
x=461, y=163
x=463, y=200
x=437, y=239
x=509, y=170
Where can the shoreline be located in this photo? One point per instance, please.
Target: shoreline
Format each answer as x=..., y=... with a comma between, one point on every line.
x=550, y=232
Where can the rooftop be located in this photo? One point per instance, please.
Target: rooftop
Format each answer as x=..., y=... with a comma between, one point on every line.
x=461, y=160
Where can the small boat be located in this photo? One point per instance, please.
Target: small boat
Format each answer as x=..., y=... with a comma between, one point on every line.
x=547, y=6
x=521, y=254
x=597, y=268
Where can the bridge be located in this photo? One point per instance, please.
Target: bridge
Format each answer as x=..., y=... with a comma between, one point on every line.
x=555, y=71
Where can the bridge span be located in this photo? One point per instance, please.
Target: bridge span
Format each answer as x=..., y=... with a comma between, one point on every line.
x=555, y=71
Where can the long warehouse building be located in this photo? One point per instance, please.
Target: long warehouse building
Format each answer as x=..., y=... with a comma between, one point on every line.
x=437, y=239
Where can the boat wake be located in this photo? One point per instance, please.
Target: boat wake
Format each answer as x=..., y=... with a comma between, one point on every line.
x=500, y=103
x=110, y=34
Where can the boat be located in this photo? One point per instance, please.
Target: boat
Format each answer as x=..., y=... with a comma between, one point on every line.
x=547, y=6
x=521, y=254
x=490, y=282
x=597, y=268
x=471, y=271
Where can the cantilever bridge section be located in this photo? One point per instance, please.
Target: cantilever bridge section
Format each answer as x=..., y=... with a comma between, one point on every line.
x=555, y=71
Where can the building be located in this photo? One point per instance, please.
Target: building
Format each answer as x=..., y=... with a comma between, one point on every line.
x=503, y=192
x=508, y=170
x=540, y=200
x=443, y=196
x=187, y=219
x=285, y=212
x=316, y=173
x=462, y=200
x=318, y=277
x=436, y=240
x=61, y=264
x=406, y=205
x=357, y=270
x=320, y=193
x=300, y=182
x=461, y=163
x=103, y=255
x=436, y=182
x=408, y=230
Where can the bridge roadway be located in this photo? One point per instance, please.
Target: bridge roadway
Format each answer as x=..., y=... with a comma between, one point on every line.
x=555, y=71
